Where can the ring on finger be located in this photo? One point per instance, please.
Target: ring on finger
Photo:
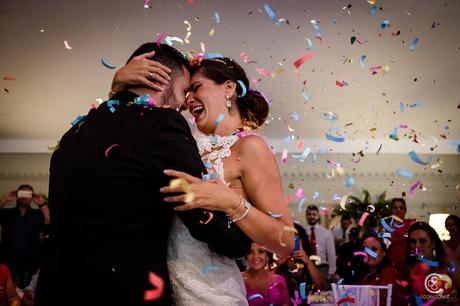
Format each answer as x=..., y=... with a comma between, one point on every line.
x=151, y=74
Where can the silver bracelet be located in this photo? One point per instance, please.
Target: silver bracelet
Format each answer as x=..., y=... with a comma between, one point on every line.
x=238, y=208
x=247, y=205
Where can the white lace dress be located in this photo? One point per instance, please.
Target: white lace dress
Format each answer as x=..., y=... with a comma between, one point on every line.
x=199, y=276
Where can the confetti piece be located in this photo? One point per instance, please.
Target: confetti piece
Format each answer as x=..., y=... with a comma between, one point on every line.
x=343, y=201
x=186, y=188
x=285, y=229
x=146, y=4
x=300, y=144
x=67, y=46
x=394, y=134
x=370, y=252
x=111, y=104
x=373, y=10
x=243, y=89
x=303, y=59
x=315, y=195
x=305, y=96
x=300, y=204
x=386, y=226
x=316, y=259
x=315, y=25
x=429, y=262
x=209, y=176
x=361, y=61
x=210, y=268
x=161, y=37
x=414, y=43
x=264, y=72
x=405, y=173
x=211, y=32
x=384, y=235
x=255, y=296
x=78, y=119
x=110, y=148
x=299, y=194
x=169, y=40
x=364, y=254
x=309, y=44
x=302, y=290
x=363, y=218
x=217, y=17
x=348, y=182
x=8, y=78
x=335, y=139
x=270, y=13
x=214, y=55
x=284, y=156
x=187, y=37
x=341, y=84
x=156, y=281
x=413, y=187
x=370, y=208
x=107, y=65
x=219, y=118
x=385, y=23
x=273, y=215
x=305, y=154
x=207, y=165
x=417, y=159
x=453, y=267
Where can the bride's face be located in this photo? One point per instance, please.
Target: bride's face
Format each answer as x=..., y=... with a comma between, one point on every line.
x=206, y=101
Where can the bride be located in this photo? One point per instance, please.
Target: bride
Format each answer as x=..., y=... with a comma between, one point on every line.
x=227, y=114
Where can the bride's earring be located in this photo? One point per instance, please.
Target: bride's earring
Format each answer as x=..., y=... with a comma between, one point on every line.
x=228, y=103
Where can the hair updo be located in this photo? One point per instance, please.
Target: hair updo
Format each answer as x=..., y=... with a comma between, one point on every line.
x=252, y=106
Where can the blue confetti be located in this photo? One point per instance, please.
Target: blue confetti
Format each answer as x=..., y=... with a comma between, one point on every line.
x=209, y=176
x=270, y=13
x=295, y=116
x=309, y=44
x=384, y=24
x=111, y=104
x=219, y=118
x=453, y=267
x=217, y=17
x=273, y=215
x=384, y=235
x=78, y=119
x=414, y=43
x=208, y=269
x=386, y=226
x=401, y=107
x=107, y=65
x=401, y=172
x=335, y=139
x=300, y=204
x=255, y=296
x=207, y=165
x=417, y=159
x=305, y=96
x=315, y=195
x=243, y=88
x=214, y=55
x=373, y=10
x=348, y=182
x=394, y=134
x=429, y=262
x=416, y=104
x=303, y=294
x=361, y=61
x=370, y=252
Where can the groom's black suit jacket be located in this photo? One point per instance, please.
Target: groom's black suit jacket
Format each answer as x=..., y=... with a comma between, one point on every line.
x=109, y=223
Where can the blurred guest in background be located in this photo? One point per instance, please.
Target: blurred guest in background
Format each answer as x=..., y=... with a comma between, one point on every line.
x=452, y=246
x=263, y=286
x=340, y=232
x=349, y=267
x=8, y=294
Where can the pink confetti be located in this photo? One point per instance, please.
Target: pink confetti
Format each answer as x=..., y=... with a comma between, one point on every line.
x=341, y=84
x=413, y=187
x=403, y=126
x=303, y=59
x=255, y=82
x=263, y=71
x=363, y=218
x=364, y=254
x=211, y=215
x=299, y=194
x=156, y=281
x=67, y=46
x=244, y=56
x=284, y=157
x=345, y=300
x=146, y=3
x=8, y=78
x=162, y=37
x=300, y=144
x=290, y=198
x=110, y=148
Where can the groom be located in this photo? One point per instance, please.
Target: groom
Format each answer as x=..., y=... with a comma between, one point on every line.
x=109, y=223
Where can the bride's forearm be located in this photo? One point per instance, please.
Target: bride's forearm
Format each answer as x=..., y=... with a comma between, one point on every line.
x=267, y=231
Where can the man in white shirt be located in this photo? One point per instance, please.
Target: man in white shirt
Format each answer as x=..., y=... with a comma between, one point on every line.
x=322, y=243
x=340, y=233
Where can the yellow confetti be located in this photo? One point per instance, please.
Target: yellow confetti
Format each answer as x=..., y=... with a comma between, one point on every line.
x=372, y=2
x=186, y=39
x=186, y=188
x=285, y=229
x=211, y=33
x=315, y=259
x=189, y=26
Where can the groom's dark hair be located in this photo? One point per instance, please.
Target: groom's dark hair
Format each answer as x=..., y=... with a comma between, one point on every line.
x=165, y=54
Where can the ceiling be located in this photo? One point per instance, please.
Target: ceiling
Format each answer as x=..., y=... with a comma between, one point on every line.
x=53, y=84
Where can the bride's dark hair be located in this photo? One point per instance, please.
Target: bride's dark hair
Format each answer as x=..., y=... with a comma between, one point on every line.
x=252, y=106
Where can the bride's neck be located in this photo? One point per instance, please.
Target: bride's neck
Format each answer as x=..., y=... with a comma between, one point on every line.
x=229, y=125
x=262, y=273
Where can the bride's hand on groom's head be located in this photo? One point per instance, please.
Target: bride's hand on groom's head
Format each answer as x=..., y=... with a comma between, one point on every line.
x=141, y=70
